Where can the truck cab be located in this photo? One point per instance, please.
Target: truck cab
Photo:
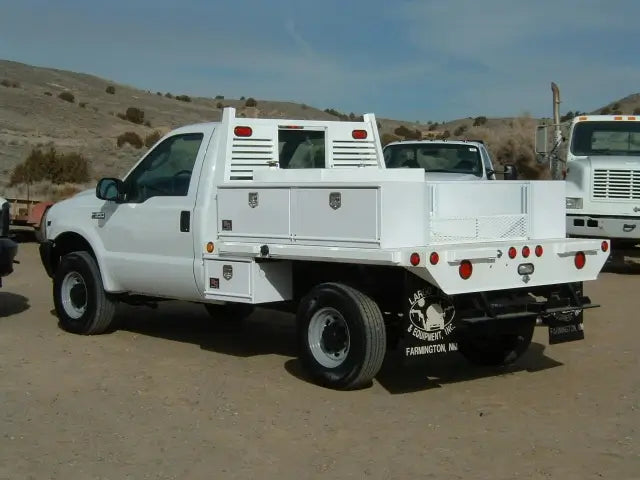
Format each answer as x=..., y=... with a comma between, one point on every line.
x=444, y=159
x=8, y=248
x=602, y=175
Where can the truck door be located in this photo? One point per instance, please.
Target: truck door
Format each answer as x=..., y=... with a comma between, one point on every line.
x=148, y=238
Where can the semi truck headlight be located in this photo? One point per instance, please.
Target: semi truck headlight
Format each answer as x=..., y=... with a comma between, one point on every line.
x=574, y=203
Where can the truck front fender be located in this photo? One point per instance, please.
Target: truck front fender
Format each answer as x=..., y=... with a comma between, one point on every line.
x=52, y=250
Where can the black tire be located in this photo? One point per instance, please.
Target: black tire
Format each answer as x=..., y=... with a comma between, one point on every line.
x=99, y=310
x=229, y=312
x=484, y=347
x=366, y=336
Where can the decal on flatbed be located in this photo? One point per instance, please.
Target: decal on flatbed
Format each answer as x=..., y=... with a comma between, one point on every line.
x=429, y=321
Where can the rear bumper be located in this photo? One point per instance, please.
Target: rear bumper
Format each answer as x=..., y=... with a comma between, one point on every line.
x=493, y=269
x=8, y=252
x=603, y=226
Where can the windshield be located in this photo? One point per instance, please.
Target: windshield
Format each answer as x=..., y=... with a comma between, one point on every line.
x=606, y=138
x=435, y=157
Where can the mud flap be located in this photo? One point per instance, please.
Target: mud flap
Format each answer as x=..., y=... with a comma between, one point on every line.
x=428, y=322
x=566, y=326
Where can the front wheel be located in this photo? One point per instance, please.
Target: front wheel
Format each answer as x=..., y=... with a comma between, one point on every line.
x=483, y=346
x=82, y=305
x=341, y=336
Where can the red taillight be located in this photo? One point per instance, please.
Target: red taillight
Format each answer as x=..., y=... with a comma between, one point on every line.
x=513, y=252
x=580, y=260
x=414, y=259
x=434, y=258
x=359, y=134
x=539, y=250
x=526, y=251
x=465, y=269
x=604, y=246
x=242, y=131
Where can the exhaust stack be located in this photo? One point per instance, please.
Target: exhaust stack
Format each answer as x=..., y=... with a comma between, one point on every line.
x=555, y=173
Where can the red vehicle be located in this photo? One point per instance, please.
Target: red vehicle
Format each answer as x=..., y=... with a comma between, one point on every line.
x=28, y=213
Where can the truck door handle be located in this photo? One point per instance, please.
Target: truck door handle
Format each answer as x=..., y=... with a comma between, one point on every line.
x=185, y=220
x=628, y=227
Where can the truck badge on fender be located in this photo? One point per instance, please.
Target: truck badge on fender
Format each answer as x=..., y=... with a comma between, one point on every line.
x=97, y=215
x=335, y=200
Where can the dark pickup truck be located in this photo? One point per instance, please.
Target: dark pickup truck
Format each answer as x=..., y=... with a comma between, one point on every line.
x=8, y=248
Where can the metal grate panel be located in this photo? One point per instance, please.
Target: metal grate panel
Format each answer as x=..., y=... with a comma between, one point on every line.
x=609, y=184
x=354, y=153
x=479, y=229
x=248, y=155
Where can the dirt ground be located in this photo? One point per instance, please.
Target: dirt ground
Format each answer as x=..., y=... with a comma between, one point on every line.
x=172, y=396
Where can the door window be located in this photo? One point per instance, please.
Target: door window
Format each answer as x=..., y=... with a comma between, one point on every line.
x=166, y=170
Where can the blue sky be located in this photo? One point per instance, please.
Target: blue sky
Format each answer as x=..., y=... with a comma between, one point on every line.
x=407, y=59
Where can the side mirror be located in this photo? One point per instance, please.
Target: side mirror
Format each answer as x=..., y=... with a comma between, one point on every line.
x=541, y=141
x=110, y=189
x=510, y=172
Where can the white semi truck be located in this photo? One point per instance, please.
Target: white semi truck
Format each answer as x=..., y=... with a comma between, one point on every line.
x=598, y=157
x=303, y=216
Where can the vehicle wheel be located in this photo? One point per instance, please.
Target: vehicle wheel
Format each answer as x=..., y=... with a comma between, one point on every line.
x=82, y=305
x=341, y=336
x=480, y=346
x=229, y=312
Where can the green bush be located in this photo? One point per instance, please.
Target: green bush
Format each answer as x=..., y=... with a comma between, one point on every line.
x=134, y=115
x=251, y=102
x=152, y=138
x=479, y=121
x=50, y=165
x=67, y=97
x=168, y=95
x=219, y=97
x=48, y=94
x=219, y=105
x=82, y=104
x=132, y=138
x=460, y=130
x=183, y=98
x=110, y=89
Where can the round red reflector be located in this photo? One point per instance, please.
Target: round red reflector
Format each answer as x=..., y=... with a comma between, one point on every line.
x=580, y=260
x=434, y=258
x=539, y=250
x=604, y=246
x=359, y=134
x=465, y=269
x=526, y=251
x=242, y=131
x=513, y=252
x=414, y=259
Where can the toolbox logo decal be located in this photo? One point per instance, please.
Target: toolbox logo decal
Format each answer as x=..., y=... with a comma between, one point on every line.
x=335, y=200
x=227, y=272
x=253, y=199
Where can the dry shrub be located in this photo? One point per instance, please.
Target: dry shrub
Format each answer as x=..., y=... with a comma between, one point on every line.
x=110, y=89
x=152, y=138
x=67, y=97
x=51, y=166
x=251, y=102
x=388, y=138
x=512, y=143
x=132, y=138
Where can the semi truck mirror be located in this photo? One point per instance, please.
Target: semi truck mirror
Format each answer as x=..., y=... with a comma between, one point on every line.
x=541, y=139
x=510, y=172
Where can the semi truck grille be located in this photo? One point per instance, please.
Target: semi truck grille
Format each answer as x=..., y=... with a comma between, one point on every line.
x=616, y=184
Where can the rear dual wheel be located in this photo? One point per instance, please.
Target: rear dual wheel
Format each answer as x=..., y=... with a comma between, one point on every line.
x=341, y=336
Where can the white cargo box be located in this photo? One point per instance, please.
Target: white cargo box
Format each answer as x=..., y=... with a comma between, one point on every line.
x=390, y=210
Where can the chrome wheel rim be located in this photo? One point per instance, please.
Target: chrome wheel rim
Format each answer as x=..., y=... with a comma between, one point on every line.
x=328, y=337
x=74, y=295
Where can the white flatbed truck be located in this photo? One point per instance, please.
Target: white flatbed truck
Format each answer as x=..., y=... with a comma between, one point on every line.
x=303, y=216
